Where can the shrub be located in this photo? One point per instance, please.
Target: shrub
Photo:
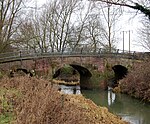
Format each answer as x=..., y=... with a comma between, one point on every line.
x=41, y=104
x=137, y=82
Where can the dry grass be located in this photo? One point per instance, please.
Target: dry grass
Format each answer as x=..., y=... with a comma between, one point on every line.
x=137, y=82
x=65, y=83
x=39, y=103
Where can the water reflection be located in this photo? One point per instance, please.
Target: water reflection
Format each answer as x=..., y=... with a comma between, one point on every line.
x=111, y=97
x=70, y=89
x=130, y=109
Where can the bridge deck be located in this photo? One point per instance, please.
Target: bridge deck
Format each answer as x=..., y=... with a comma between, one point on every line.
x=27, y=55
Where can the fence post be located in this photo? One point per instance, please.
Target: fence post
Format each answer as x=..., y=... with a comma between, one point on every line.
x=117, y=52
x=81, y=50
x=20, y=53
x=134, y=55
x=99, y=50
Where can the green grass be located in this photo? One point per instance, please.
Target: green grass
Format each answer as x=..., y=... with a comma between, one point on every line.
x=6, y=118
x=6, y=104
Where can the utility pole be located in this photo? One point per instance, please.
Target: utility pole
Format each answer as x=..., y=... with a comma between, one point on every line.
x=109, y=28
x=123, y=40
x=129, y=40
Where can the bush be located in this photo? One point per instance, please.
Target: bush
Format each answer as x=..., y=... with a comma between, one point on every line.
x=137, y=82
x=36, y=102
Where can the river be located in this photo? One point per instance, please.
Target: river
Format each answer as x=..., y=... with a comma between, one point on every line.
x=129, y=108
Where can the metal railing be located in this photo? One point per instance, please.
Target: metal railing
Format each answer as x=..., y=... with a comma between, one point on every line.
x=26, y=55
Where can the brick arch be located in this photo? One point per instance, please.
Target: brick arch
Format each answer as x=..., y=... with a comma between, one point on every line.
x=81, y=69
x=120, y=72
x=17, y=70
x=85, y=75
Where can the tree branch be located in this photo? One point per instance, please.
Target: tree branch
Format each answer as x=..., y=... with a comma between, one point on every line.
x=137, y=6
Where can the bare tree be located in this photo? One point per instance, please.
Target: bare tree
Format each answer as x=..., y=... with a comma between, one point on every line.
x=109, y=15
x=59, y=22
x=144, y=34
x=26, y=36
x=29, y=35
x=93, y=30
x=50, y=27
x=77, y=36
x=9, y=12
x=62, y=25
x=139, y=5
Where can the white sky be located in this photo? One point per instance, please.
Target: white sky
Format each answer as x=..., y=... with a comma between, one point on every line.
x=126, y=24
x=40, y=2
x=131, y=23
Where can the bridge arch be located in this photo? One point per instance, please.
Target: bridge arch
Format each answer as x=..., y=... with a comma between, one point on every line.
x=23, y=70
x=83, y=77
x=82, y=70
x=120, y=72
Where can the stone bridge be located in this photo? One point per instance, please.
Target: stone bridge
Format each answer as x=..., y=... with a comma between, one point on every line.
x=46, y=64
x=32, y=60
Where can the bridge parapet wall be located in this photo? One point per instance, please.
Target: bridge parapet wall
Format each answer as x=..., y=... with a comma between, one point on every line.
x=46, y=64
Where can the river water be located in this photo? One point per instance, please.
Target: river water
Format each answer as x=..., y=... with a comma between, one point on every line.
x=130, y=109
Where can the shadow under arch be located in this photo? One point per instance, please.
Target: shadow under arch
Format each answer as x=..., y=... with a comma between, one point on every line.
x=120, y=72
x=12, y=72
x=82, y=70
x=85, y=75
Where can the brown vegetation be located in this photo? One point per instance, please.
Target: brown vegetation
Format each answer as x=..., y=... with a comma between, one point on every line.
x=137, y=82
x=71, y=83
x=36, y=102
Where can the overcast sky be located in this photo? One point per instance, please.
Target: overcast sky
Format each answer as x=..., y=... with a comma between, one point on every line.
x=127, y=22
x=130, y=22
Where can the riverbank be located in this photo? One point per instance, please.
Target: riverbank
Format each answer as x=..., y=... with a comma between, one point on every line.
x=129, y=108
x=62, y=82
x=137, y=82
x=36, y=101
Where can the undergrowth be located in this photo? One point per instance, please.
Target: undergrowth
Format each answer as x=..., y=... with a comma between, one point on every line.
x=7, y=100
x=36, y=101
x=137, y=82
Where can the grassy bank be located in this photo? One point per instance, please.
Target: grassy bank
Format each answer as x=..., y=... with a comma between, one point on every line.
x=36, y=101
x=137, y=82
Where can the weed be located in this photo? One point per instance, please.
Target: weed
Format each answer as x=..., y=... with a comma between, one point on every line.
x=137, y=82
x=37, y=102
x=7, y=100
